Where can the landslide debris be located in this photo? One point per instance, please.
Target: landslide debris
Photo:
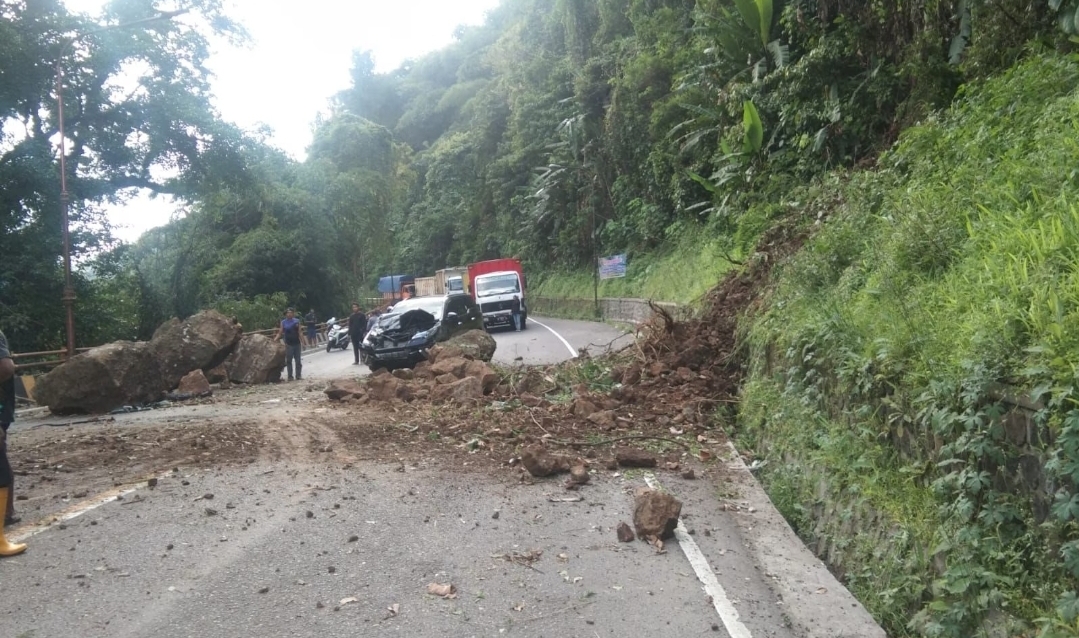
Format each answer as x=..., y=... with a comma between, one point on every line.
x=647, y=405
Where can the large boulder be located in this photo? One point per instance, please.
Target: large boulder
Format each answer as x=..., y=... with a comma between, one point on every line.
x=257, y=359
x=201, y=342
x=102, y=379
x=474, y=344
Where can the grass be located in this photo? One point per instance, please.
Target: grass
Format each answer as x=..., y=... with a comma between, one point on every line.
x=681, y=272
x=953, y=264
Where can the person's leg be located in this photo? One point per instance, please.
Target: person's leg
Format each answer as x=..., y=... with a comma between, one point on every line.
x=299, y=362
x=290, y=352
x=9, y=479
x=6, y=548
x=517, y=321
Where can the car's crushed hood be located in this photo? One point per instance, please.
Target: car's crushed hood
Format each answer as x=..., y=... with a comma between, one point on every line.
x=403, y=326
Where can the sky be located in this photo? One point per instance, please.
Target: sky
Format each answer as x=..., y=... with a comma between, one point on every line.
x=299, y=57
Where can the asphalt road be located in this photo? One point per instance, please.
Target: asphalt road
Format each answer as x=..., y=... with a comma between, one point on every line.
x=278, y=546
x=318, y=543
x=545, y=341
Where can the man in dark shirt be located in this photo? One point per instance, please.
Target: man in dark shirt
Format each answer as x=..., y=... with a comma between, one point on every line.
x=7, y=416
x=290, y=331
x=515, y=311
x=357, y=328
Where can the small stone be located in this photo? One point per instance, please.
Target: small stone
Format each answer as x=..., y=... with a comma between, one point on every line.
x=151, y=482
x=169, y=547
x=211, y=511
x=185, y=482
x=319, y=605
x=332, y=569
x=264, y=590
x=495, y=515
x=625, y=533
x=353, y=538
x=689, y=475
x=309, y=514
x=208, y=497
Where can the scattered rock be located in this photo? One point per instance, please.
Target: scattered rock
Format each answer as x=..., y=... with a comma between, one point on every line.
x=489, y=379
x=341, y=388
x=195, y=384
x=443, y=590
x=625, y=533
x=463, y=391
x=404, y=374
x=583, y=408
x=632, y=457
x=218, y=374
x=603, y=418
x=386, y=387
x=689, y=474
x=655, y=514
x=578, y=475
x=531, y=400
x=539, y=462
x=454, y=366
x=474, y=344
x=445, y=379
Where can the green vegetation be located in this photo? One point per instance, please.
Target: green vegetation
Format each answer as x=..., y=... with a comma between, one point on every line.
x=941, y=282
x=925, y=151
x=680, y=272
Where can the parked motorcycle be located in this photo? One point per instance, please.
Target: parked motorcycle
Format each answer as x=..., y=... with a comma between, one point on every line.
x=337, y=336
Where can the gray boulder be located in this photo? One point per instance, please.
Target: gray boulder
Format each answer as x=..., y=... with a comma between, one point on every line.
x=200, y=342
x=103, y=379
x=257, y=359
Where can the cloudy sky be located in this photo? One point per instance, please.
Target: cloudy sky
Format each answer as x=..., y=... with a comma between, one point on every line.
x=300, y=56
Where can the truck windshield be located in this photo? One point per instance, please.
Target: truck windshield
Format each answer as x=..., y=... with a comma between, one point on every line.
x=498, y=285
x=455, y=284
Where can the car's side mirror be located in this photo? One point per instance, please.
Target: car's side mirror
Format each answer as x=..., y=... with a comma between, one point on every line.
x=451, y=316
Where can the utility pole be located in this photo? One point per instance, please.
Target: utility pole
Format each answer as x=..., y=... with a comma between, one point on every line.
x=68, y=296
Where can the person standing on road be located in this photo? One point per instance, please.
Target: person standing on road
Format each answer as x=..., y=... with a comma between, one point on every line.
x=515, y=310
x=290, y=330
x=357, y=328
x=311, y=322
x=7, y=417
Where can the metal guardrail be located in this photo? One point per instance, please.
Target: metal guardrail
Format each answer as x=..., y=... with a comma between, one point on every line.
x=28, y=361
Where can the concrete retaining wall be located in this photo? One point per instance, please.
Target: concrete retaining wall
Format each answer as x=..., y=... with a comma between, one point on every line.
x=610, y=308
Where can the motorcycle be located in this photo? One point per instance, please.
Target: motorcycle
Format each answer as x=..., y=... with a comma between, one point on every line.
x=337, y=336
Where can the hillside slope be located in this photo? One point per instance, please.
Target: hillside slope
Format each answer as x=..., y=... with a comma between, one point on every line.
x=912, y=375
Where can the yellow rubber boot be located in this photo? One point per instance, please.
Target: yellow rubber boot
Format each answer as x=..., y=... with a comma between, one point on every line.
x=6, y=548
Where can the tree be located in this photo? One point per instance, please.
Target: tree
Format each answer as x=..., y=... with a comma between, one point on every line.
x=152, y=135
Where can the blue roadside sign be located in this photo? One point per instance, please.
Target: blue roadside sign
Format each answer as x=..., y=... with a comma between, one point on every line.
x=612, y=267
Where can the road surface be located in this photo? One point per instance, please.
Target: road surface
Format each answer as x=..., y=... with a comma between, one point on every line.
x=545, y=341
x=286, y=515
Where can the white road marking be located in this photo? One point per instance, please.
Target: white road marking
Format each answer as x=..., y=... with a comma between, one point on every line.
x=26, y=531
x=727, y=613
x=572, y=350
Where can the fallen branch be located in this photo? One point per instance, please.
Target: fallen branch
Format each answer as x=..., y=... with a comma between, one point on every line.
x=616, y=439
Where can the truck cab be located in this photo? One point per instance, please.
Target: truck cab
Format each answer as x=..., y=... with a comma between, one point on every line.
x=494, y=292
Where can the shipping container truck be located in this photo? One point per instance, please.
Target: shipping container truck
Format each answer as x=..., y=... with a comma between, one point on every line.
x=451, y=280
x=396, y=287
x=427, y=287
x=494, y=284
